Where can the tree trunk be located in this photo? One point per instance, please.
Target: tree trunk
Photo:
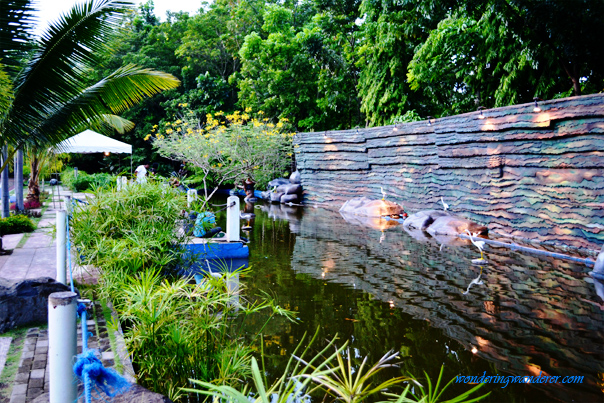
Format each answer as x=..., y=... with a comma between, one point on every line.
x=33, y=185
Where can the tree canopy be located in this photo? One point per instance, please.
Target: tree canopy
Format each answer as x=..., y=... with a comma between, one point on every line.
x=336, y=64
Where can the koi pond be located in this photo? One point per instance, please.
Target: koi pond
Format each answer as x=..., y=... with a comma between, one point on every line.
x=380, y=289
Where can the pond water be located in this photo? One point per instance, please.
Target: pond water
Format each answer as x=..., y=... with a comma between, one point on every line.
x=381, y=289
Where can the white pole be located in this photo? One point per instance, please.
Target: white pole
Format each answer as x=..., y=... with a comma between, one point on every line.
x=68, y=204
x=191, y=196
x=62, y=308
x=61, y=248
x=119, y=183
x=232, y=232
x=124, y=182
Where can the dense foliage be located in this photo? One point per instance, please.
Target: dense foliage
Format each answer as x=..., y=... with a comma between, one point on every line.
x=16, y=224
x=84, y=181
x=328, y=65
x=173, y=329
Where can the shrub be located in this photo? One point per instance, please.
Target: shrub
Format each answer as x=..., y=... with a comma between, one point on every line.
x=16, y=224
x=85, y=181
x=28, y=205
x=173, y=329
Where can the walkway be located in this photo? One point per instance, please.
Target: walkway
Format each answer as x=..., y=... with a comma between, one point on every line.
x=37, y=258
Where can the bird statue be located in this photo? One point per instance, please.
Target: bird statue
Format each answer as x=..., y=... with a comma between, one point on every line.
x=478, y=244
x=383, y=193
x=474, y=281
x=445, y=205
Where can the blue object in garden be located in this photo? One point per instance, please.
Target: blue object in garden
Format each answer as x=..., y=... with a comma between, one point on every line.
x=218, y=250
x=204, y=220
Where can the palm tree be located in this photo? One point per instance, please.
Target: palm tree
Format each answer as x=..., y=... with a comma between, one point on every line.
x=52, y=96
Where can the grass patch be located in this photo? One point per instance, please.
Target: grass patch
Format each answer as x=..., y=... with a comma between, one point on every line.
x=36, y=222
x=13, y=358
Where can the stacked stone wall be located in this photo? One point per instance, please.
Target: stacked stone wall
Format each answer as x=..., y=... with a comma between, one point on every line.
x=525, y=174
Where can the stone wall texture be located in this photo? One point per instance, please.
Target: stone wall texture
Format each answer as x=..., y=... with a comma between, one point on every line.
x=525, y=174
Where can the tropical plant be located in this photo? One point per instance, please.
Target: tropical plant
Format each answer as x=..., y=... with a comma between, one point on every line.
x=130, y=230
x=173, y=329
x=432, y=394
x=287, y=388
x=176, y=330
x=52, y=94
x=352, y=385
x=343, y=381
x=84, y=181
x=227, y=149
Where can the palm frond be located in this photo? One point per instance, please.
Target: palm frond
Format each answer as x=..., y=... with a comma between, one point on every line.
x=56, y=71
x=116, y=123
x=16, y=23
x=6, y=91
x=112, y=95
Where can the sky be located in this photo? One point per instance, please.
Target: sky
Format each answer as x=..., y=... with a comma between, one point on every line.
x=50, y=10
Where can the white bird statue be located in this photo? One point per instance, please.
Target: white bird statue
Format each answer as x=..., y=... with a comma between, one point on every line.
x=383, y=193
x=445, y=205
x=478, y=244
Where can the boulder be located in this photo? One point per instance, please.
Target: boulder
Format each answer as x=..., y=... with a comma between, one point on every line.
x=295, y=177
x=290, y=198
x=277, y=182
x=451, y=225
x=363, y=206
x=266, y=195
x=422, y=219
x=416, y=234
x=290, y=188
x=276, y=197
x=377, y=223
x=24, y=302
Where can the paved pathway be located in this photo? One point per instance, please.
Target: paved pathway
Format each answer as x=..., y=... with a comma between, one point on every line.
x=37, y=258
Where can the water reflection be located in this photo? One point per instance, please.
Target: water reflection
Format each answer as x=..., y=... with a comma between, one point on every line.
x=386, y=288
x=473, y=282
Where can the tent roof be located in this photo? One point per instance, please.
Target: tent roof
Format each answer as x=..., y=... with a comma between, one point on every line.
x=90, y=141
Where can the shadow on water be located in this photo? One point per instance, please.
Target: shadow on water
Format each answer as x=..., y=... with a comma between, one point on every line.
x=380, y=288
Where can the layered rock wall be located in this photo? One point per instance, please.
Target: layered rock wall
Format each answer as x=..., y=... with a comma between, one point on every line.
x=526, y=174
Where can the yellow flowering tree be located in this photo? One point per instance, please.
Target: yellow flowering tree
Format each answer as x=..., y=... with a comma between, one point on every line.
x=227, y=148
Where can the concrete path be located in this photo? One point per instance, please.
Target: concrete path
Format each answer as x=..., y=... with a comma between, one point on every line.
x=37, y=258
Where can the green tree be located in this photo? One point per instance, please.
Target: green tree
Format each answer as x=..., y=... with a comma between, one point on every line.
x=303, y=70
x=391, y=30
x=507, y=52
x=53, y=96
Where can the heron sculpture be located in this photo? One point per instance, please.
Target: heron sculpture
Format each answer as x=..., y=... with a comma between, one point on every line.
x=383, y=193
x=478, y=244
x=445, y=205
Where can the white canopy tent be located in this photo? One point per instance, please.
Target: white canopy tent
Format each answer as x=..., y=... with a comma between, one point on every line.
x=89, y=142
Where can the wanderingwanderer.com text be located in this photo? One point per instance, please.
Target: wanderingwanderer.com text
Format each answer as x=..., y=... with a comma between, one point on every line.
x=506, y=380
